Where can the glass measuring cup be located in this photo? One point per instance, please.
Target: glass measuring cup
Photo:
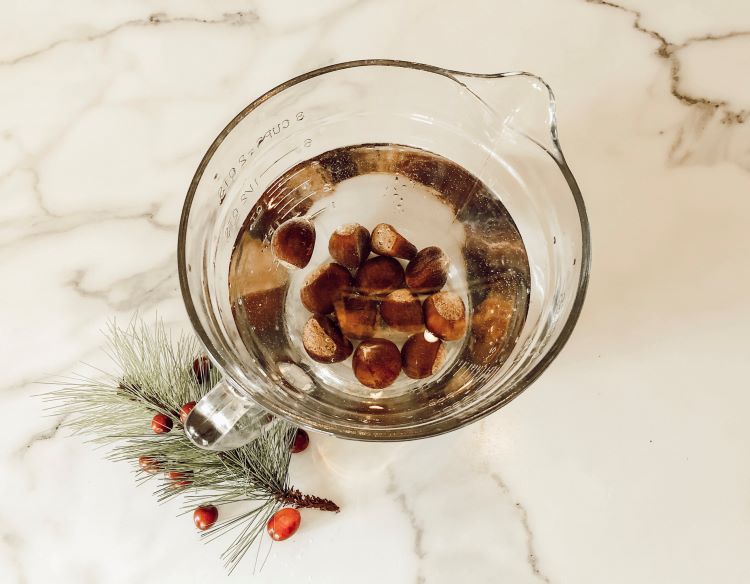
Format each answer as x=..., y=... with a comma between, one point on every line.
x=500, y=128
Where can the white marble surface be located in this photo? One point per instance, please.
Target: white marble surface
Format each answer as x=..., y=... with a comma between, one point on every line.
x=628, y=461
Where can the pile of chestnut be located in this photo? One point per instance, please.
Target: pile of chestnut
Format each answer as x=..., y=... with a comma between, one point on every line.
x=356, y=296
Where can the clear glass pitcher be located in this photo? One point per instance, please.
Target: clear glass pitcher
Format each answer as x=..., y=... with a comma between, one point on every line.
x=500, y=128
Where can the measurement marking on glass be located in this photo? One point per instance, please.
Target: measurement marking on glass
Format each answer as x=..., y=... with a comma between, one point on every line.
x=296, y=204
x=277, y=197
x=275, y=161
x=289, y=197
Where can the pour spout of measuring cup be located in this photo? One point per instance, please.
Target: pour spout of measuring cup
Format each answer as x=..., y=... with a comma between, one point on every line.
x=225, y=419
x=520, y=101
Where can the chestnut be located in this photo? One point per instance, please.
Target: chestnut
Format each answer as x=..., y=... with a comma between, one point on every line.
x=323, y=340
x=293, y=242
x=386, y=241
x=380, y=275
x=349, y=245
x=324, y=286
x=445, y=315
x=376, y=363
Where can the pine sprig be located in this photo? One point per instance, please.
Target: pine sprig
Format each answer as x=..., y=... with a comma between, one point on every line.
x=155, y=375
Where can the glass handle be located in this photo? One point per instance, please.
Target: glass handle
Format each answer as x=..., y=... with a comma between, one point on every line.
x=225, y=419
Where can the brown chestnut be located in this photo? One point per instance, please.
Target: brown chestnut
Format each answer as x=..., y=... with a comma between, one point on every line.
x=380, y=275
x=386, y=241
x=445, y=315
x=357, y=315
x=376, y=363
x=323, y=340
x=428, y=271
x=349, y=245
x=293, y=242
x=490, y=325
x=402, y=311
x=422, y=355
x=323, y=286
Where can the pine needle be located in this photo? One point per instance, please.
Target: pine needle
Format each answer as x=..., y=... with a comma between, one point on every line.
x=154, y=374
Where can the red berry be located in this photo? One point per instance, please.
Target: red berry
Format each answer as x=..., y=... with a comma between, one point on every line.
x=301, y=441
x=205, y=516
x=201, y=369
x=179, y=478
x=148, y=464
x=161, y=424
x=185, y=410
x=284, y=524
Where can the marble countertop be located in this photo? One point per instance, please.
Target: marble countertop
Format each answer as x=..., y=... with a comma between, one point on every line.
x=627, y=461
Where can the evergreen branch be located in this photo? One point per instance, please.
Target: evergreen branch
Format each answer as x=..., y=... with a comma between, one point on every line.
x=155, y=375
x=294, y=498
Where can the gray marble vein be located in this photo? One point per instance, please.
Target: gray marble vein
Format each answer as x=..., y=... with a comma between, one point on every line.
x=32, y=160
x=532, y=557
x=52, y=225
x=701, y=137
x=133, y=292
x=42, y=436
x=399, y=497
x=650, y=139
x=156, y=19
x=669, y=51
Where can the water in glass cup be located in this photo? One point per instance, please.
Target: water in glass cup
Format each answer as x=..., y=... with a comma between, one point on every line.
x=429, y=200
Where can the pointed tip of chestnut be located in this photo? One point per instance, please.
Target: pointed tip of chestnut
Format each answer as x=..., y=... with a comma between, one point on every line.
x=386, y=241
x=293, y=242
x=349, y=245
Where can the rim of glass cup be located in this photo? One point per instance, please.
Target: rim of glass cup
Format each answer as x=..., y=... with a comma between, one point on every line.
x=444, y=425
